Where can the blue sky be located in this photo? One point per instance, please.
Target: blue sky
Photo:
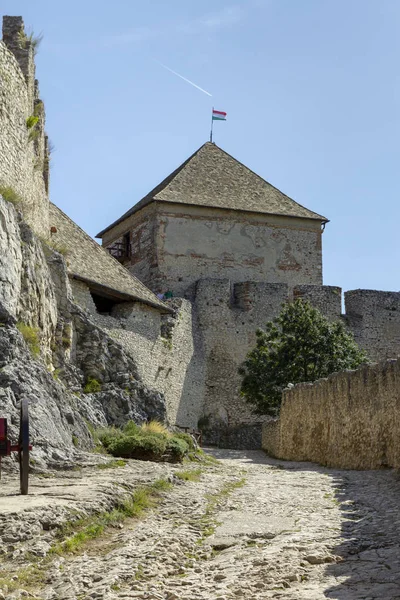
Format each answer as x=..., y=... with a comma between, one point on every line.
x=311, y=88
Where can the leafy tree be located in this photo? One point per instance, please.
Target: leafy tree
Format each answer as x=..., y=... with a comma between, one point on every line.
x=298, y=345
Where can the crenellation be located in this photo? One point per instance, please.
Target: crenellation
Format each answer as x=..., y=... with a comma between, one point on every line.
x=21, y=46
x=374, y=318
x=22, y=149
x=326, y=298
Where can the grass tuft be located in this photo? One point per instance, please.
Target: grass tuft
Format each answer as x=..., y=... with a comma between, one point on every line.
x=92, y=386
x=32, y=121
x=79, y=533
x=155, y=427
x=32, y=39
x=10, y=195
x=113, y=464
x=31, y=337
x=189, y=475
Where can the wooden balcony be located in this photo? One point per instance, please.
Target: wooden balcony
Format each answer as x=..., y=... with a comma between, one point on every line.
x=120, y=251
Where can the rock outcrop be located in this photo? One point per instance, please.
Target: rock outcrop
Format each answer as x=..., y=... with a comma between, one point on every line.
x=50, y=349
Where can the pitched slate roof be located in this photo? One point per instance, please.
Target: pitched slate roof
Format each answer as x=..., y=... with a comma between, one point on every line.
x=213, y=178
x=88, y=261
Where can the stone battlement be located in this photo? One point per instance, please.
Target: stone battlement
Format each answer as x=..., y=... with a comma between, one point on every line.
x=368, y=314
x=24, y=152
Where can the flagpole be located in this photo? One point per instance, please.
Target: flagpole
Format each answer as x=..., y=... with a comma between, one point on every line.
x=212, y=122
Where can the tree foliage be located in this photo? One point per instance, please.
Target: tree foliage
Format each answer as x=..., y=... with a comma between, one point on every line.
x=299, y=345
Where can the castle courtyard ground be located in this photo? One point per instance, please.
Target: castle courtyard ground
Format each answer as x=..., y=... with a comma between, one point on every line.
x=251, y=528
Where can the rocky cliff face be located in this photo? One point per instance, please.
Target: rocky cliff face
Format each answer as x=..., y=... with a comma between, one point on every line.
x=49, y=349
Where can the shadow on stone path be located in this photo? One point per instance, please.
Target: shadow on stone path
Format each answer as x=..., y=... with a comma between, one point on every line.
x=364, y=553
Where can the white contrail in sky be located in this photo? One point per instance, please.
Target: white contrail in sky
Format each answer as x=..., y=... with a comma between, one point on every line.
x=184, y=78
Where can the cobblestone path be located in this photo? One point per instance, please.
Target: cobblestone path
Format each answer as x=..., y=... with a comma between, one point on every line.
x=250, y=528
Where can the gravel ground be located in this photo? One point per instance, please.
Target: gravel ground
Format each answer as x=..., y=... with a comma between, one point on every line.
x=251, y=528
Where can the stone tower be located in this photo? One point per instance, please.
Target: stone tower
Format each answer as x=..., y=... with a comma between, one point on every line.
x=215, y=218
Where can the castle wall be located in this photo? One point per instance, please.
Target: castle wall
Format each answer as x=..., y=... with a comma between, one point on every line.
x=162, y=347
x=326, y=298
x=82, y=296
x=194, y=243
x=349, y=420
x=173, y=246
x=144, y=259
x=193, y=357
x=374, y=319
x=23, y=152
x=227, y=319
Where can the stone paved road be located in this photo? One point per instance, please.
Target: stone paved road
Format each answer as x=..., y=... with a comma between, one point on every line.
x=285, y=530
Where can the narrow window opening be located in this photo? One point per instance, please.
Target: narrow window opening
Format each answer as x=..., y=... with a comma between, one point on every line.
x=127, y=245
x=103, y=305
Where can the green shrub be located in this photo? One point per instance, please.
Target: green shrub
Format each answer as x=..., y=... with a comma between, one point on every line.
x=31, y=121
x=31, y=337
x=106, y=435
x=138, y=446
x=92, y=386
x=9, y=194
x=131, y=428
x=177, y=447
x=187, y=438
x=142, y=443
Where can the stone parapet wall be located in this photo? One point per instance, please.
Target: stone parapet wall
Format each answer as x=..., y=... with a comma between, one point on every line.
x=374, y=319
x=23, y=152
x=326, y=298
x=349, y=420
x=270, y=437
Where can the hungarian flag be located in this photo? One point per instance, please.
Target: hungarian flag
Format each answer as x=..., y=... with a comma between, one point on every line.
x=218, y=115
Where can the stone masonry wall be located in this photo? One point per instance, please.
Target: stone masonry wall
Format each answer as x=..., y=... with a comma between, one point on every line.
x=240, y=247
x=374, y=319
x=349, y=420
x=24, y=156
x=172, y=249
x=163, y=347
x=193, y=357
x=227, y=319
